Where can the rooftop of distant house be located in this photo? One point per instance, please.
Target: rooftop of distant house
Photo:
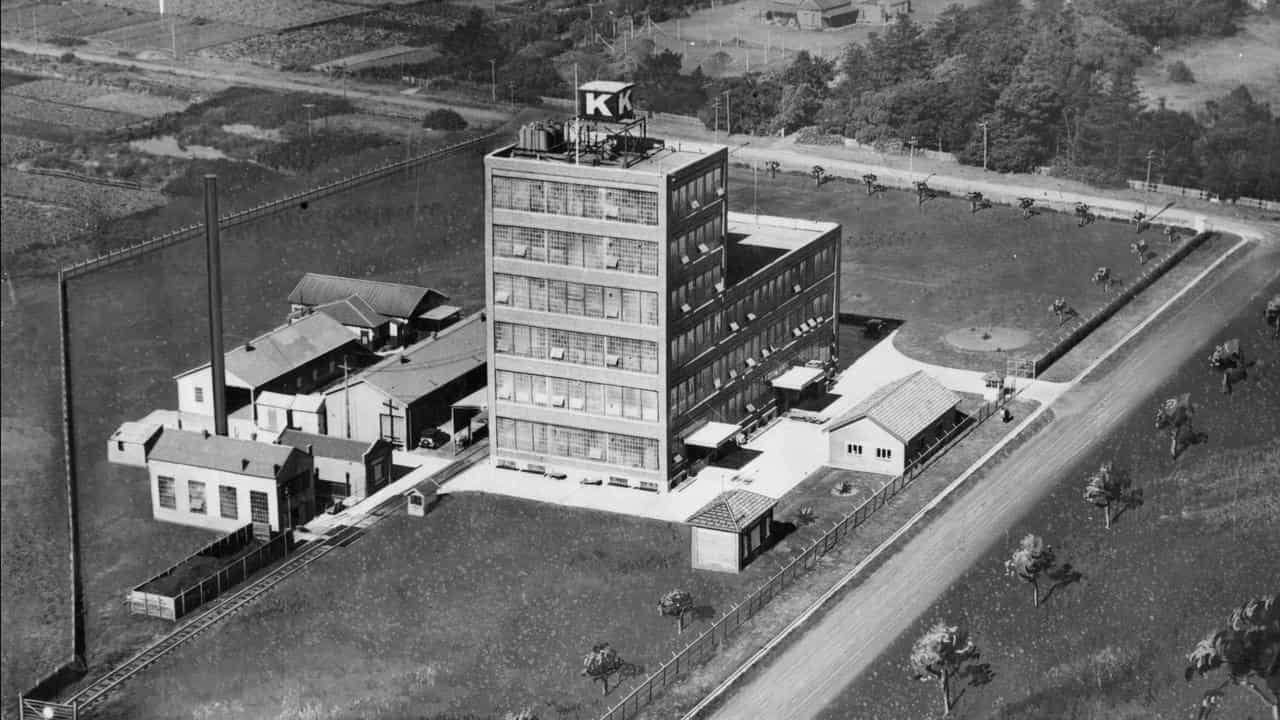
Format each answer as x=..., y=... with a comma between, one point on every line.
x=217, y=452
x=283, y=350
x=424, y=366
x=395, y=300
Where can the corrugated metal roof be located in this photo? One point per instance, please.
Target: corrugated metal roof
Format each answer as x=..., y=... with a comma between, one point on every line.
x=425, y=366
x=243, y=457
x=386, y=298
x=903, y=407
x=329, y=446
x=354, y=311
x=732, y=511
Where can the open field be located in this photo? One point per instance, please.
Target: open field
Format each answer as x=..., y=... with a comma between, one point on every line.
x=941, y=268
x=1164, y=576
x=16, y=147
x=72, y=116
x=309, y=46
x=263, y=14
x=1250, y=58
x=133, y=328
x=69, y=19
x=165, y=34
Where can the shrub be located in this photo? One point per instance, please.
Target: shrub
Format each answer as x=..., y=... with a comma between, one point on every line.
x=67, y=57
x=66, y=41
x=443, y=119
x=1180, y=73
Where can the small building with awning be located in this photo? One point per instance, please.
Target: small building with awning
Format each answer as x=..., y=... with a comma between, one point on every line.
x=797, y=383
x=708, y=439
x=728, y=532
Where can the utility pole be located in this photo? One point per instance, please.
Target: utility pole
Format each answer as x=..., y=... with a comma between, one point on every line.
x=493, y=80
x=755, y=190
x=308, y=106
x=728, y=129
x=911, y=158
x=346, y=396
x=173, y=36
x=715, y=126
x=1151, y=154
x=983, y=125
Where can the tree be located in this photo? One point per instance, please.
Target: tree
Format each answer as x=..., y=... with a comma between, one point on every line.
x=1226, y=359
x=1176, y=415
x=444, y=119
x=773, y=167
x=677, y=604
x=601, y=663
x=1180, y=73
x=1139, y=249
x=1030, y=560
x=1109, y=487
x=819, y=174
x=940, y=653
x=1248, y=648
x=1272, y=314
x=1102, y=276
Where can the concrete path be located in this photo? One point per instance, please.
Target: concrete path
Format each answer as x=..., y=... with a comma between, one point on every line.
x=800, y=681
x=424, y=467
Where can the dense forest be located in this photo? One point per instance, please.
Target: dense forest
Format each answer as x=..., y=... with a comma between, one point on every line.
x=1051, y=82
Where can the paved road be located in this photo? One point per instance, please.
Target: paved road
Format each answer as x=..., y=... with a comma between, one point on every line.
x=802, y=679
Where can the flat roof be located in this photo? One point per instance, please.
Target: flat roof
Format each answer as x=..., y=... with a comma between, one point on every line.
x=798, y=378
x=666, y=160
x=478, y=400
x=135, y=432
x=712, y=435
x=419, y=369
x=780, y=233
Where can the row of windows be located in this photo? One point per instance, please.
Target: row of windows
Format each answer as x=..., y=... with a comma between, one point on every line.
x=198, y=505
x=698, y=289
x=698, y=241
x=881, y=453
x=571, y=298
x=594, y=445
x=714, y=328
x=725, y=370
x=699, y=192
x=576, y=347
x=588, y=397
x=586, y=201
x=595, y=252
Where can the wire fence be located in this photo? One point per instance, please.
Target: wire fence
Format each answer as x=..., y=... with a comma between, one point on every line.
x=1200, y=194
x=705, y=645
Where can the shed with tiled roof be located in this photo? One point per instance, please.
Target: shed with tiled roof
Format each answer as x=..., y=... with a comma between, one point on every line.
x=894, y=426
x=730, y=530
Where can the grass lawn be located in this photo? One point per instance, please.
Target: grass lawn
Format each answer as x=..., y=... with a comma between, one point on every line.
x=1251, y=58
x=1164, y=576
x=486, y=605
x=942, y=268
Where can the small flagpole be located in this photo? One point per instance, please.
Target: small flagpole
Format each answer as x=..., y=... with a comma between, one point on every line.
x=577, y=131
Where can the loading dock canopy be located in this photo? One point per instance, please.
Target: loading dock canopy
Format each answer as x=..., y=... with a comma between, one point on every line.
x=712, y=435
x=797, y=378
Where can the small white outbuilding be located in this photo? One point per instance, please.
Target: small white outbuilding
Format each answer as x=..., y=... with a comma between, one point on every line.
x=894, y=426
x=131, y=442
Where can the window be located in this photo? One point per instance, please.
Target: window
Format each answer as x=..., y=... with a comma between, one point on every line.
x=884, y=454
x=168, y=496
x=259, y=507
x=855, y=449
x=575, y=200
x=227, y=502
x=195, y=497
x=119, y=446
x=199, y=394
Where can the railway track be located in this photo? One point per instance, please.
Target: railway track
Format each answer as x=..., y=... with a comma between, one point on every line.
x=101, y=688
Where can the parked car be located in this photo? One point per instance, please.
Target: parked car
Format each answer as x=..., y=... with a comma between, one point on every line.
x=434, y=438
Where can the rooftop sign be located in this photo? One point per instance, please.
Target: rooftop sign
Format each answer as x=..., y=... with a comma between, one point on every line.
x=605, y=100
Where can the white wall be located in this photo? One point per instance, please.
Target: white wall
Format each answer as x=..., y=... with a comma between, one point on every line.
x=870, y=436
x=714, y=550
x=187, y=385
x=132, y=453
x=212, y=518
x=366, y=406
x=336, y=471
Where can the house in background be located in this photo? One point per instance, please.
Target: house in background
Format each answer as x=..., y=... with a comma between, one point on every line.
x=295, y=359
x=892, y=427
x=343, y=468
x=881, y=12
x=409, y=394
x=814, y=14
x=131, y=442
x=223, y=483
x=356, y=315
x=730, y=530
x=411, y=310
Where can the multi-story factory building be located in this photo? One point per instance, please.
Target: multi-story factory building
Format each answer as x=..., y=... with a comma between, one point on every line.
x=636, y=325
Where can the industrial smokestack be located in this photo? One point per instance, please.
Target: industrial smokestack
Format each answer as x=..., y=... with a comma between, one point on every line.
x=213, y=262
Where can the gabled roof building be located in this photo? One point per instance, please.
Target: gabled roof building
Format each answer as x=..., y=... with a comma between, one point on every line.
x=890, y=428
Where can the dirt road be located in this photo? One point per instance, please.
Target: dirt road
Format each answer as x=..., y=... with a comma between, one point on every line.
x=802, y=679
